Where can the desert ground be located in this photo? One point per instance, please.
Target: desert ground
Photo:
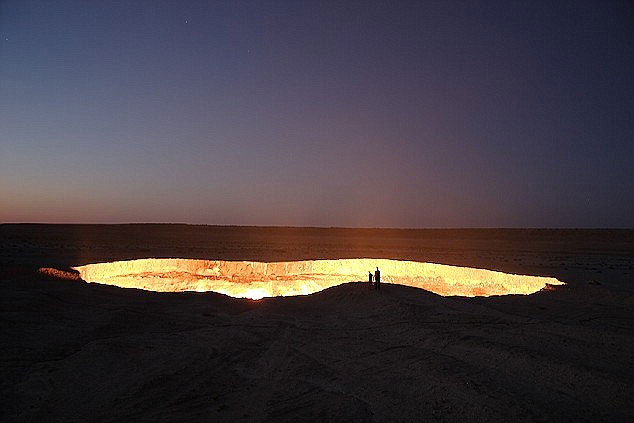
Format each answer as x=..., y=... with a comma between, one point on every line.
x=74, y=351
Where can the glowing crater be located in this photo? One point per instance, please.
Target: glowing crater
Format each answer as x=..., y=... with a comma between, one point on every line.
x=248, y=279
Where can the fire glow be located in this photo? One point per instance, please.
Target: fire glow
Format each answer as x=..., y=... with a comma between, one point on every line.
x=255, y=280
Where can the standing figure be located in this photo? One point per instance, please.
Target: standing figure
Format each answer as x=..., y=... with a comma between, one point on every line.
x=369, y=280
x=377, y=279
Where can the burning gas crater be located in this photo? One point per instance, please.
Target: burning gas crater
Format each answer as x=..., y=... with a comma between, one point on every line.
x=255, y=280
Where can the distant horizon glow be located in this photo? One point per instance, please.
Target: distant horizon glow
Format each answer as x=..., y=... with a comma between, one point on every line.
x=327, y=114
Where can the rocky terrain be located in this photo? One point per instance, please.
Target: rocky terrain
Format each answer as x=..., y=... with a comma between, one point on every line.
x=74, y=351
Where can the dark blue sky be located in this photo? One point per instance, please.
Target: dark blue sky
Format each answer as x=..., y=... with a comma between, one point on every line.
x=399, y=114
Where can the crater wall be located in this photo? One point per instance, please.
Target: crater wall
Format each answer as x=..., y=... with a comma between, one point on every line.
x=258, y=279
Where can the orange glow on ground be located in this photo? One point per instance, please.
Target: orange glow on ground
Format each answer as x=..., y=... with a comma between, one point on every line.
x=256, y=280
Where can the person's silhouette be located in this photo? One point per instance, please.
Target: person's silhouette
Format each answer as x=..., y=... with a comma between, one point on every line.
x=377, y=279
x=369, y=280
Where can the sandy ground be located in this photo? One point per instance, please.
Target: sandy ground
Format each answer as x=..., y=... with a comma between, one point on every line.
x=75, y=352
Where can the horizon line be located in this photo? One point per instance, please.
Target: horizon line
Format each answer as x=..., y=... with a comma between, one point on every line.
x=329, y=227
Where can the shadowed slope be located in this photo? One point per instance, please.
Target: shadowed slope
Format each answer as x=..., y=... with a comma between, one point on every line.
x=91, y=352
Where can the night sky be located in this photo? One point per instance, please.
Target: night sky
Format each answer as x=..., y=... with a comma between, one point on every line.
x=390, y=114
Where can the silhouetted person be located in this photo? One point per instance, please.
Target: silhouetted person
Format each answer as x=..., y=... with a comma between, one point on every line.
x=369, y=280
x=377, y=279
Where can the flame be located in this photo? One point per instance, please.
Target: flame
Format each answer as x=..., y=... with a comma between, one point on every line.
x=256, y=280
x=255, y=294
